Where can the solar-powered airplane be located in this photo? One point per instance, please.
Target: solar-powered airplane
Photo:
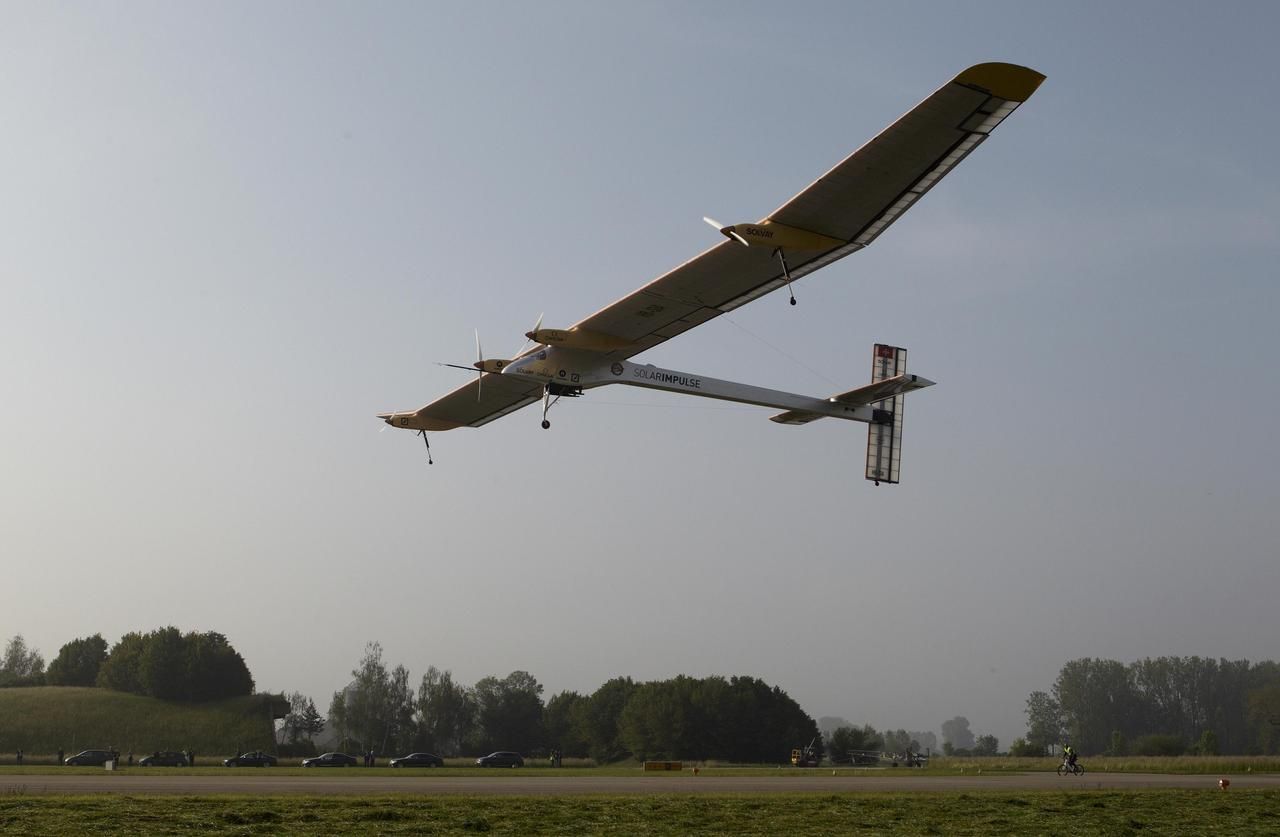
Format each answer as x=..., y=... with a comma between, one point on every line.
x=840, y=213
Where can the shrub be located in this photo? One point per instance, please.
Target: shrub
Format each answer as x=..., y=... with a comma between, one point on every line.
x=1021, y=749
x=1158, y=745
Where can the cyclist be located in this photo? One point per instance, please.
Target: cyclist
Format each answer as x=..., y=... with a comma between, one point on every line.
x=1069, y=753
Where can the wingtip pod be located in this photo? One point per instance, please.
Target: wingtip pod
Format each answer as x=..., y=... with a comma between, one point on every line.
x=414, y=421
x=1008, y=81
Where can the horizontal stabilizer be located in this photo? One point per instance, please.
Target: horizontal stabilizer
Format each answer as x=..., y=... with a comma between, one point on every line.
x=863, y=395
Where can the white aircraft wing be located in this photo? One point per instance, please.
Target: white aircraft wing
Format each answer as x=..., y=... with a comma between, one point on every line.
x=840, y=213
x=464, y=407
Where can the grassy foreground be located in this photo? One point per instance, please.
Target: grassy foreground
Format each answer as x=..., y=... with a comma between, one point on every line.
x=1077, y=813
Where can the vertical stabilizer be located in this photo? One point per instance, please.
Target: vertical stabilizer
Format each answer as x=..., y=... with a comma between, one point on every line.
x=884, y=436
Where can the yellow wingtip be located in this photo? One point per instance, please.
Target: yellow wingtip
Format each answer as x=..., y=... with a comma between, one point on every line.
x=1008, y=81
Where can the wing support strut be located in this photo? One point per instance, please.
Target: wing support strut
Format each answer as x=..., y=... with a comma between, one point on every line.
x=786, y=272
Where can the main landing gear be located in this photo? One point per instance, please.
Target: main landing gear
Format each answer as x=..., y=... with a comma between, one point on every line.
x=559, y=391
x=425, y=441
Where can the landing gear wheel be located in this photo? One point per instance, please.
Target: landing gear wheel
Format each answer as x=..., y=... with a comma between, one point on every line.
x=546, y=425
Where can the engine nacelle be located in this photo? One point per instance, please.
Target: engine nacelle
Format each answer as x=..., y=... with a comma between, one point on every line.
x=574, y=338
x=768, y=233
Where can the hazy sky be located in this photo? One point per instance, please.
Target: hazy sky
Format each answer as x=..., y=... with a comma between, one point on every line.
x=231, y=233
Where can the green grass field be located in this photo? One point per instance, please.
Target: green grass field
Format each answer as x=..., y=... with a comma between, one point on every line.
x=1076, y=813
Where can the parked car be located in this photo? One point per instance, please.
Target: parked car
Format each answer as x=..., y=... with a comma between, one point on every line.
x=255, y=759
x=501, y=758
x=92, y=758
x=418, y=760
x=331, y=760
x=167, y=758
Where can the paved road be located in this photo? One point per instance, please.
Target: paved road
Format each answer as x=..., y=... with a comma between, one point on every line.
x=262, y=782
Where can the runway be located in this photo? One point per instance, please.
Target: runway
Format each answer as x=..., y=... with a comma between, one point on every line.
x=358, y=783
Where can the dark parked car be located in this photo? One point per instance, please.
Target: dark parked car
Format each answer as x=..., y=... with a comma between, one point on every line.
x=418, y=760
x=331, y=760
x=92, y=758
x=502, y=758
x=255, y=759
x=168, y=758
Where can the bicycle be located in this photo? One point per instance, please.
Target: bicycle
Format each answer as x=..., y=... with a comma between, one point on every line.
x=1066, y=768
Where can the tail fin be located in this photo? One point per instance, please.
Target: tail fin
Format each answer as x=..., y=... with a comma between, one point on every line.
x=884, y=436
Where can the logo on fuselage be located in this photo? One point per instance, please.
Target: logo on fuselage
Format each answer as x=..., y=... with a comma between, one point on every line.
x=667, y=378
x=617, y=368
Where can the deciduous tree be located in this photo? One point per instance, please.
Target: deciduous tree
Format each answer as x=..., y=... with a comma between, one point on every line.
x=303, y=720
x=599, y=719
x=21, y=666
x=956, y=732
x=508, y=712
x=1044, y=722
x=986, y=745
x=562, y=722
x=844, y=739
x=78, y=662
x=446, y=712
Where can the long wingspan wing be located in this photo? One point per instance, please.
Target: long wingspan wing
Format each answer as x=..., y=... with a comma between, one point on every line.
x=843, y=211
x=848, y=207
x=465, y=407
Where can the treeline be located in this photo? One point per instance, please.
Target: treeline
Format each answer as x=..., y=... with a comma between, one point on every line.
x=163, y=663
x=740, y=719
x=1158, y=706
x=843, y=740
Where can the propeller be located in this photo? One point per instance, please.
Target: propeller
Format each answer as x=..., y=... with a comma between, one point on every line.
x=537, y=326
x=478, y=365
x=491, y=366
x=479, y=371
x=729, y=232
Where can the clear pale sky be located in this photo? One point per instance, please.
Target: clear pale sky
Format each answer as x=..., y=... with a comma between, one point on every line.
x=231, y=233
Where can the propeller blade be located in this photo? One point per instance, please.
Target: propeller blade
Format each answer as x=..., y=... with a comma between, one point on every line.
x=528, y=336
x=728, y=232
x=479, y=367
